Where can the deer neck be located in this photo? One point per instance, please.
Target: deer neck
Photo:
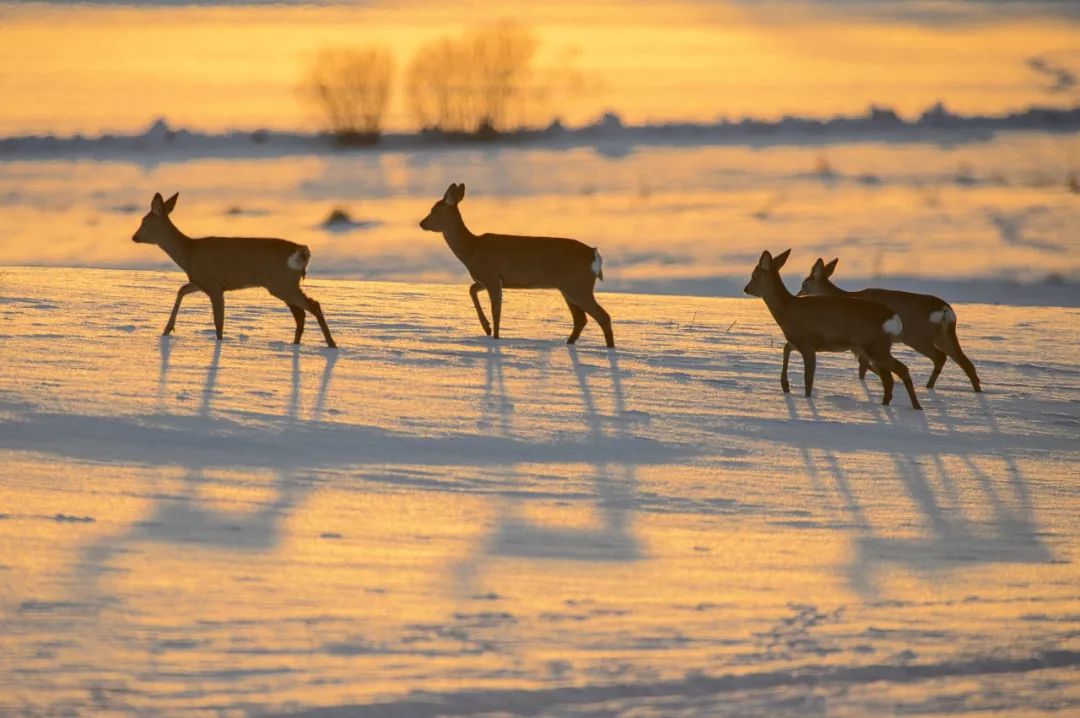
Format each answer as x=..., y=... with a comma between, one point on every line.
x=831, y=290
x=177, y=245
x=777, y=297
x=458, y=237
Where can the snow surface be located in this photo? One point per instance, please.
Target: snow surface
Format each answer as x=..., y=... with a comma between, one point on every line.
x=428, y=522
x=988, y=221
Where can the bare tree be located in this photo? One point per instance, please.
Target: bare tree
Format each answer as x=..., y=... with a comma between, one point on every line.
x=474, y=84
x=351, y=88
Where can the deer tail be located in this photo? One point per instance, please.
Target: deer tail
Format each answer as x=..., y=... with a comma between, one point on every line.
x=300, y=259
x=944, y=316
x=598, y=264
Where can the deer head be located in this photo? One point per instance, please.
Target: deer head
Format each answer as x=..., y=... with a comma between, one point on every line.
x=444, y=214
x=766, y=273
x=817, y=282
x=156, y=225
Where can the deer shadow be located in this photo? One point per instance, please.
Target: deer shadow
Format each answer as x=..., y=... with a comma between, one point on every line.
x=186, y=516
x=513, y=534
x=948, y=539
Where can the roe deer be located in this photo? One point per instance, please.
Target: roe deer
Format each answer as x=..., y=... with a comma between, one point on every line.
x=505, y=261
x=929, y=322
x=831, y=324
x=216, y=265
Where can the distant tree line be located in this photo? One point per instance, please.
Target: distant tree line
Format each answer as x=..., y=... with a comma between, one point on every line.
x=478, y=85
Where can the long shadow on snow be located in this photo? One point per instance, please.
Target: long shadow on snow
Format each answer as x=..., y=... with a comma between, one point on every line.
x=167, y=439
x=614, y=483
x=950, y=540
x=186, y=517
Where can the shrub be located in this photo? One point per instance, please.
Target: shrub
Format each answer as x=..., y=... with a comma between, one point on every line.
x=351, y=89
x=472, y=85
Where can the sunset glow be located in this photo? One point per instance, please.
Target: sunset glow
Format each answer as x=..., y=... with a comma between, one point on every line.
x=539, y=359
x=216, y=68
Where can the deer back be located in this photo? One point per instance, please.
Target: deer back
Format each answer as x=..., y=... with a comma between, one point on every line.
x=921, y=313
x=228, y=263
x=836, y=323
x=532, y=262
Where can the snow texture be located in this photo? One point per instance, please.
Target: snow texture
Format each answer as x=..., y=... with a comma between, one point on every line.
x=429, y=522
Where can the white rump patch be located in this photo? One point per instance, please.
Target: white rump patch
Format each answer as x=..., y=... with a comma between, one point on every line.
x=893, y=326
x=597, y=263
x=943, y=316
x=297, y=261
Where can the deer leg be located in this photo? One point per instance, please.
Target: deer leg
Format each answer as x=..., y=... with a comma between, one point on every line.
x=298, y=315
x=809, y=357
x=969, y=369
x=865, y=364
x=939, y=357
x=184, y=291
x=594, y=310
x=297, y=300
x=315, y=308
x=901, y=370
x=495, y=295
x=783, y=370
x=580, y=319
x=217, y=303
x=474, y=292
x=882, y=368
x=950, y=344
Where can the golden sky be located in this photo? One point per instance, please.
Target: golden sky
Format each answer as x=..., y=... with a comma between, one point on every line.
x=92, y=68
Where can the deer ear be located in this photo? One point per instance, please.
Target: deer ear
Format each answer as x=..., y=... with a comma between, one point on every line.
x=451, y=197
x=818, y=269
x=460, y=192
x=170, y=203
x=157, y=204
x=831, y=267
x=766, y=260
x=781, y=258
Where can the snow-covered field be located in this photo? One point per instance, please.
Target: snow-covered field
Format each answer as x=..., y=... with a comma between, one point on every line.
x=427, y=522
x=975, y=218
